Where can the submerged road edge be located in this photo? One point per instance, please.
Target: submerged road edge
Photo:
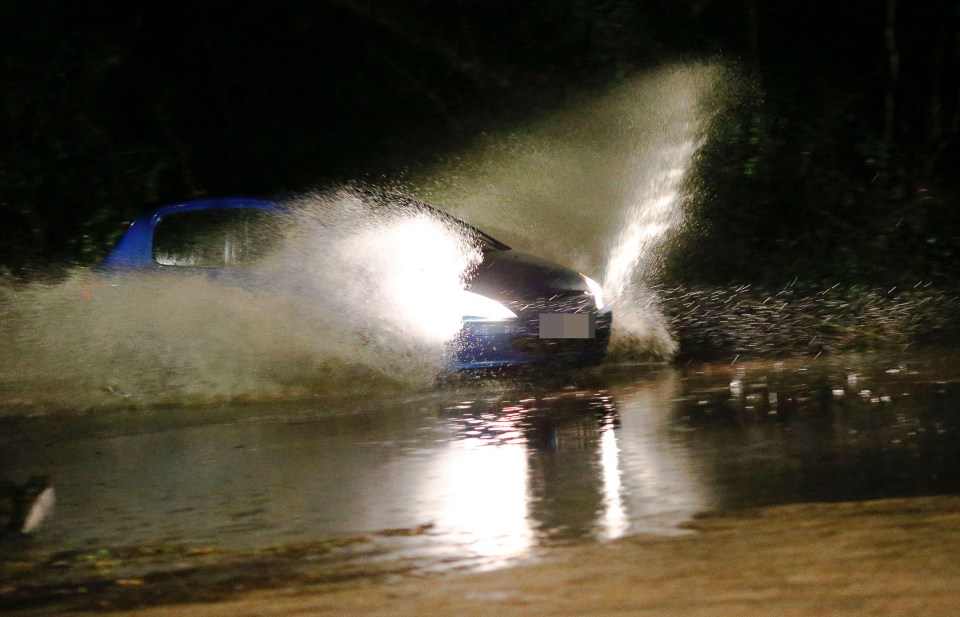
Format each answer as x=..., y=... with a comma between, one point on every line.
x=895, y=556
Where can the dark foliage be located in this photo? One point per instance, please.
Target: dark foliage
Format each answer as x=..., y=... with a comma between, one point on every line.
x=836, y=162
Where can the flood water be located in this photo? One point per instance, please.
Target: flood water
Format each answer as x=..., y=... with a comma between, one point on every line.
x=491, y=471
x=112, y=389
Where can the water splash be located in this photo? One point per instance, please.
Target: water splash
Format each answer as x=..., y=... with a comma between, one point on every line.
x=653, y=211
x=599, y=186
x=312, y=318
x=395, y=273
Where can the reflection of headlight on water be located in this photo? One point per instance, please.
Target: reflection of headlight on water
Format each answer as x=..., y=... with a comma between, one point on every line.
x=478, y=495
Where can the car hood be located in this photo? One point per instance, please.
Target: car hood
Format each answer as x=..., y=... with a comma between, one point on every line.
x=510, y=275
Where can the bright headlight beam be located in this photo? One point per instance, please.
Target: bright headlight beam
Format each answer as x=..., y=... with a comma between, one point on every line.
x=595, y=290
x=482, y=308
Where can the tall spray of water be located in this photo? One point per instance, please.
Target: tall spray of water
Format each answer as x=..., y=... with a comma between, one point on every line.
x=599, y=185
x=356, y=297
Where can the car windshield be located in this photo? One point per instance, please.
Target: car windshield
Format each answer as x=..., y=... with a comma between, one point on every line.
x=216, y=238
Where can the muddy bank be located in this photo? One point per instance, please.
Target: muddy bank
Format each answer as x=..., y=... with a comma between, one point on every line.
x=886, y=557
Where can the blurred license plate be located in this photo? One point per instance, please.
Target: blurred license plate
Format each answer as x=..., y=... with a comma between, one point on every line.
x=568, y=325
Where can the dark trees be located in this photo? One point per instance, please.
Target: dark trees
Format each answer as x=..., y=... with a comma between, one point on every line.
x=837, y=160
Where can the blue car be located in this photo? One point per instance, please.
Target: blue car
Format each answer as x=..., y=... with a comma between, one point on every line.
x=532, y=311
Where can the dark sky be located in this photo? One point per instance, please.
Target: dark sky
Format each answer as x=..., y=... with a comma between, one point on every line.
x=112, y=105
x=285, y=93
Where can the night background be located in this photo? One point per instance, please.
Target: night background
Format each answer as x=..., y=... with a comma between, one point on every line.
x=835, y=160
x=755, y=396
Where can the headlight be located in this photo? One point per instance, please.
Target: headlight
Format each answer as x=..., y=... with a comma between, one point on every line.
x=482, y=308
x=595, y=291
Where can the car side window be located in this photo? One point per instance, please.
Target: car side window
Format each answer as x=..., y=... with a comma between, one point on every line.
x=217, y=238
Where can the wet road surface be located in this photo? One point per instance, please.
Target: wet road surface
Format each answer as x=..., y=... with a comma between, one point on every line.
x=484, y=474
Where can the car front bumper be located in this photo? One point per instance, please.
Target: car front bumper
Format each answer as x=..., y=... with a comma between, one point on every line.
x=483, y=345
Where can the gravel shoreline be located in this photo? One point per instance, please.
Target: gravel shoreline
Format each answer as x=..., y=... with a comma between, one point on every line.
x=886, y=557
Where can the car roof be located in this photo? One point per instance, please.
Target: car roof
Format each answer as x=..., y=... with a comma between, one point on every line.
x=135, y=248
